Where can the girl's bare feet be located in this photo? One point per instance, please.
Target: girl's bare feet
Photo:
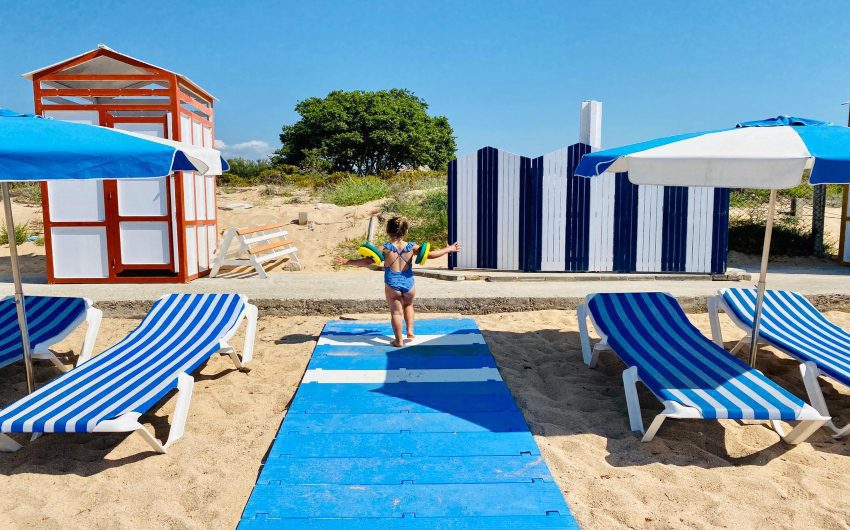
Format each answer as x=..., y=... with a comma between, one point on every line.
x=397, y=343
x=410, y=337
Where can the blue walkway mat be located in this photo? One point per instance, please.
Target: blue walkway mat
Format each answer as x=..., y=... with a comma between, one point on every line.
x=357, y=452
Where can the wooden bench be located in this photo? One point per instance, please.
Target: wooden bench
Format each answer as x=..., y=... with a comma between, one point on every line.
x=254, y=246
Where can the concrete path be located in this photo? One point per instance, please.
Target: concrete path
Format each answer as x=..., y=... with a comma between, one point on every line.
x=362, y=291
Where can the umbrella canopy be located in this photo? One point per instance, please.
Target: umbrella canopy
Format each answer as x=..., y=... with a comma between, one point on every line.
x=765, y=154
x=35, y=149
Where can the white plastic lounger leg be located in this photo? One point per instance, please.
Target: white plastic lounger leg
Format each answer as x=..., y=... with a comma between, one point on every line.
x=743, y=343
x=129, y=422
x=251, y=313
x=653, y=428
x=185, y=385
x=630, y=380
x=50, y=356
x=590, y=357
x=803, y=430
x=810, y=373
x=714, y=319
x=93, y=318
x=8, y=445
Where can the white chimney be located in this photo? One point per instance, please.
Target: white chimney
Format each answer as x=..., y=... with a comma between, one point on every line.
x=590, y=124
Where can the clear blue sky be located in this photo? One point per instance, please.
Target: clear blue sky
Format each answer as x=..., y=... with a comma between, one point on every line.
x=509, y=74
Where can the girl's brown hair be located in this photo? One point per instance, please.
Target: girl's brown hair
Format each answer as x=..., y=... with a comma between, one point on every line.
x=397, y=227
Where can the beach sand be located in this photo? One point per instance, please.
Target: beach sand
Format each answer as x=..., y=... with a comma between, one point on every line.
x=695, y=474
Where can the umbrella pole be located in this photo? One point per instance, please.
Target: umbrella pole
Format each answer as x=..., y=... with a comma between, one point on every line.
x=765, y=253
x=19, y=292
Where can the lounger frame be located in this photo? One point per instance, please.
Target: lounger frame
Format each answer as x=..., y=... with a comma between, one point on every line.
x=672, y=409
x=808, y=369
x=92, y=317
x=129, y=422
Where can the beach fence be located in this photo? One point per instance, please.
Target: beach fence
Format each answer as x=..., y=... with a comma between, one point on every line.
x=517, y=213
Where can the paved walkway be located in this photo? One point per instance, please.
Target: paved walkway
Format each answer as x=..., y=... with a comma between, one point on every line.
x=427, y=436
x=362, y=291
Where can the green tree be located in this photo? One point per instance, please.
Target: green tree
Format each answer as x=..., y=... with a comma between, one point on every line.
x=366, y=133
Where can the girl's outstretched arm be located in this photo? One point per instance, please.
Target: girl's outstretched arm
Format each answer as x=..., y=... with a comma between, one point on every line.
x=362, y=262
x=454, y=247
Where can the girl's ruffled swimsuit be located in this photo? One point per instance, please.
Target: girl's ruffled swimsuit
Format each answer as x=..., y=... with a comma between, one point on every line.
x=401, y=281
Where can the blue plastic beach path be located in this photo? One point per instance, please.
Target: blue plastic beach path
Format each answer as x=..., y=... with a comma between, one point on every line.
x=425, y=436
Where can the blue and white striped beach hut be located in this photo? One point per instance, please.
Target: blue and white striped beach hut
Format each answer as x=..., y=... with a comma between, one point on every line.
x=517, y=213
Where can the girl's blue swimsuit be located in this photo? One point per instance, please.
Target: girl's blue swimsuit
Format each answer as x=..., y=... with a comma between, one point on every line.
x=401, y=281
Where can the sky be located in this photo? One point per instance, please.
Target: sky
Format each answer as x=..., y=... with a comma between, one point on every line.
x=510, y=74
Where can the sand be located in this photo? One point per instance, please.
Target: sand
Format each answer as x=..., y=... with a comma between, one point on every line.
x=694, y=474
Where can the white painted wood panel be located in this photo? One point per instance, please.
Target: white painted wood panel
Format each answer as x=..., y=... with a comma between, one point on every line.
x=191, y=251
x=142, y=197
x=144, y=243
x=200, y=197
x=188, y=195
x=601, y=230
x=650, y=228
x=508, y=216
x=467, y=210
x=79, y=252
x=554, y=204
x=700, y=224
x=76, y=200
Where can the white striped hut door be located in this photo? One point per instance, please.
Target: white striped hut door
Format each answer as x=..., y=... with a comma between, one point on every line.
x=554, y=211
x=508, y=207
x=650, y=228
x=700, y=226
x=601, y=233
x=467, y=210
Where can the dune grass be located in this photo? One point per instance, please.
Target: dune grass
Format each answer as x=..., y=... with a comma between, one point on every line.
x=352, y=191
x=22, y=232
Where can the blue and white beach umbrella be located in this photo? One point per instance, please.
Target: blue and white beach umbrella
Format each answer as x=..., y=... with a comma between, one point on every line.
x=765, y=154
x=35, y=149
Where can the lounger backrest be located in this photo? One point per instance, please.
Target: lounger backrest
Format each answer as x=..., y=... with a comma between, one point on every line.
x=791, y=323
x=678, y=363
x=47, y=317
x=178, y=334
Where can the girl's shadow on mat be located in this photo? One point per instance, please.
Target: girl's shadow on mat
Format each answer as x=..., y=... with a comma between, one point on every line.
x=560, y=396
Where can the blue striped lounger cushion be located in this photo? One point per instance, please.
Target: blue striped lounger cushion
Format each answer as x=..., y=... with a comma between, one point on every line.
x=178, y=334
x=678, y=363
x=792, y=324
x=49, y=318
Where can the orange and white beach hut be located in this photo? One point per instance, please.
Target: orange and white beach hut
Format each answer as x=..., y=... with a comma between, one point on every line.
x=111, y=231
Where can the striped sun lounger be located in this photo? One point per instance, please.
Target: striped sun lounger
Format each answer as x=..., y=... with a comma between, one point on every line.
x=791, y=324
x=692, y=376
x=50, y=319
x=111, y=391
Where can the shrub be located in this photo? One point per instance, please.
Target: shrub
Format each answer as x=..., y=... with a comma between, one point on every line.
x=232, y=179
x=26, y=192
x=427, y=213
x=787, y=239
x=22, y=232
x=355, y=190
